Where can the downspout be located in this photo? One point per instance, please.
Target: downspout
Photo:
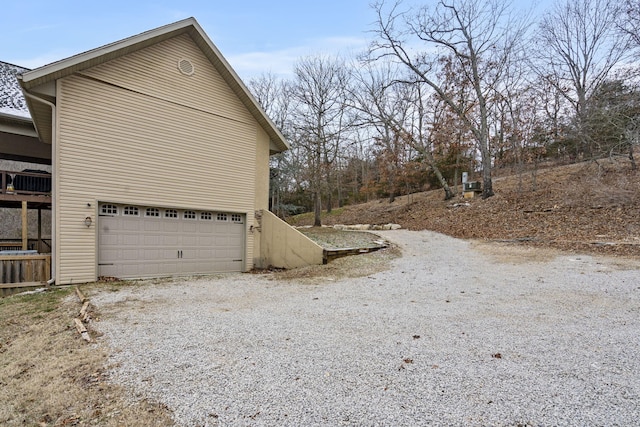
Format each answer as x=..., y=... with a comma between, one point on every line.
x=53, y=180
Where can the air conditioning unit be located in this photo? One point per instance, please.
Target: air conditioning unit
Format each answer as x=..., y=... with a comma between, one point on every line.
x=472, y=186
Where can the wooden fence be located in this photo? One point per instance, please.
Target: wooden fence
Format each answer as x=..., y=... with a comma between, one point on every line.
x=24, y=270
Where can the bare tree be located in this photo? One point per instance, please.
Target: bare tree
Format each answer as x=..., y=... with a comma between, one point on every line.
x=480, y=35
x=320, y=120
x=274, y=95
x=630, y=24
x=427, y=116
x=396, y=110
x=578, y=45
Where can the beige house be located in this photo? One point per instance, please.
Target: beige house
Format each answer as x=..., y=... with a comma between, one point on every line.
x=160, y=162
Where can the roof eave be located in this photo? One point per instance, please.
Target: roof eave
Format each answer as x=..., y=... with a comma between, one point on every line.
x=230, y=76
x=68, y=66
x=16, y=118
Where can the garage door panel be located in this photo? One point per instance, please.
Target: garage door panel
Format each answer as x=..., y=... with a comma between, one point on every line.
x=109, y=253
x=221, y=240
x=147, y=246
x=189, y=241
x=189, y=226
x=131, y=225
x=205, y=254
x=151, y=254
x=234, y=265
x=109, y=239
x=152, y=240
x=171, y=225
x=150, y=269
x=205, y=240
x=130, y=240
x=169, y=268
x=170, y=253
x=222, y=254
x=151, y=224
x=171, y=240
x=109, y=270
x=205, y=226
x=130, y=254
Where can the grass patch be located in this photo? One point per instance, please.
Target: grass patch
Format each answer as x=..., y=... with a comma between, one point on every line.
x=30, y=304
x=49, y=376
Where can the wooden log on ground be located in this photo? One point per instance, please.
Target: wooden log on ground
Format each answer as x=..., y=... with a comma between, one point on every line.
x=81, y=296
x=82, y=330
x=84, y=314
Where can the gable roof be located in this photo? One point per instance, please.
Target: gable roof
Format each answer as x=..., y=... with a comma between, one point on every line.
x=54, y=71
x=12, y=102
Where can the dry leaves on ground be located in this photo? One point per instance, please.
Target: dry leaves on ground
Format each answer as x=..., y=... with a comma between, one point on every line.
x=592, y=207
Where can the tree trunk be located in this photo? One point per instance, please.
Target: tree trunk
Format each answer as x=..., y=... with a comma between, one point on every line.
x=431, y=162
x=448, y=194
x=487, y=184
x=317, y=209
x=391, y=182
x=456, y=172
x=339, y=185
x=534, y=175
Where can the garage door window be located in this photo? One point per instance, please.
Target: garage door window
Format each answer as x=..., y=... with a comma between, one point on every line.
x=206, y=216
x=221, y=217
x=152, y=212
x=131, y=211
x=171, y=213
x=189, y=215
x=109, y=210
x=237, y=218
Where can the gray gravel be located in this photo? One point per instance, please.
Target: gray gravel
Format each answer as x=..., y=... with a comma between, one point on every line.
x=454, y=334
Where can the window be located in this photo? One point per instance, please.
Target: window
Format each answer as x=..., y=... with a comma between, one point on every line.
x=221, y=217
x=236, y=218
x=109, y=210
x=170, y=213
x=206, y=216
x=189, y=215
x=154, y=212
x=131, y=211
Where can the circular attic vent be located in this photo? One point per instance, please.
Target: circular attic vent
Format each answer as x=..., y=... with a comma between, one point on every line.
x=186, y=67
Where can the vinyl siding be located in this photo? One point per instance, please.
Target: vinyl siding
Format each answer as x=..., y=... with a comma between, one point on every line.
x=262, y=184
x=262, y=170
x=154, y=138
x=154, y=71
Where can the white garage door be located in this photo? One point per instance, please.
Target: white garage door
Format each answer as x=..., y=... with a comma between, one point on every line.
x=141, y=241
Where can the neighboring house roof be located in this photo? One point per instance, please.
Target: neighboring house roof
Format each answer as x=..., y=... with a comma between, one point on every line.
x=49, y=73
x=12, y=102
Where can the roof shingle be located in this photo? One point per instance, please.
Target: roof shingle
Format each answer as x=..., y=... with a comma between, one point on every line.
x=12, y=100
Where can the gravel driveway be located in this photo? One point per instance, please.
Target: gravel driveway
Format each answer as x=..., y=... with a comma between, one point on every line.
x=455, y=333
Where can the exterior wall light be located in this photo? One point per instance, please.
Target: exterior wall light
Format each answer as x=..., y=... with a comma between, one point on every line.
x=88, y=221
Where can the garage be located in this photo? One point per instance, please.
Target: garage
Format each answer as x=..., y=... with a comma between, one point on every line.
x=147, y=241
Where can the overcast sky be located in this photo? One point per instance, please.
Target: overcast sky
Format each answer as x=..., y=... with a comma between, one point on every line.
x=254, y=35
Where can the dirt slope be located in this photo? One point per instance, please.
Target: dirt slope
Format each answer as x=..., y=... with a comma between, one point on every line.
x=590, y=206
